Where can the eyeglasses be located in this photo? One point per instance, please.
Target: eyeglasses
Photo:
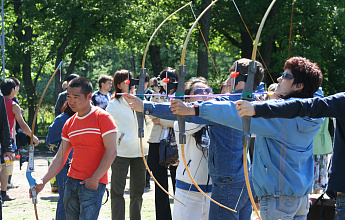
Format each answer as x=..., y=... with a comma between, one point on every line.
x=287, y=76
x=203, y=91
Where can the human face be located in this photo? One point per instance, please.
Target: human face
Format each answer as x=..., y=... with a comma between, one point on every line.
x=107, y=85
x=202, y=88
x=124, y=87
x=285, y=84
x=16, y=90
x=78, y=101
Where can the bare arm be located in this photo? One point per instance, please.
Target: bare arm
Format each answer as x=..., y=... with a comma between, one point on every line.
x=109, y=141
x=56, y=165
x=22, y=123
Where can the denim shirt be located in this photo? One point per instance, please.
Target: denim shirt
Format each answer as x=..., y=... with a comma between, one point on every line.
x=225, y=151
x=283, y=155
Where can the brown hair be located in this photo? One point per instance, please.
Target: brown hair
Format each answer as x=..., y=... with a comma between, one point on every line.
x=242, y=68
x=306, y=72
x=119, y=77
x=189, y=85
x=103, y=79
x=66, y=109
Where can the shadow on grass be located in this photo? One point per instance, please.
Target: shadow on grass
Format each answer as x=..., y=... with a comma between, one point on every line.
x=50, y=198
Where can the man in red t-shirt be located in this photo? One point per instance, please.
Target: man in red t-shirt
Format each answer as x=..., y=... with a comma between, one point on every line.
x=91, y=132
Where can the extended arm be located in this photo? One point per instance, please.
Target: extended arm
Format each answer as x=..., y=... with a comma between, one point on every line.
x=17, y=112
x=161, y=110
x=56, y=165
x=331, y=106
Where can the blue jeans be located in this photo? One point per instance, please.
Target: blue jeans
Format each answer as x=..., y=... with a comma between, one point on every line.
x=232, y=195
x=61, y=179
x=80, y=202
x=284, y=207
x=340, y=207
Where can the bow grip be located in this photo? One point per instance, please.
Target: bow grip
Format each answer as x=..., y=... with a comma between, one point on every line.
x=181, y=119
x=247, y=94
x=32, y=183
x=141, y=90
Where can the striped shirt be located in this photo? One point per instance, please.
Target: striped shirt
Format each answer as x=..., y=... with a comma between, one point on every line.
x=86, y=136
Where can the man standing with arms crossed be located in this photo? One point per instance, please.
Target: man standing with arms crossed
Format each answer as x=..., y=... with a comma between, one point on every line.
x=91, y=132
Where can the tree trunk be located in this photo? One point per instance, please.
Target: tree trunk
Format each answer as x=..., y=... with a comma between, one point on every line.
x=30, y=88
x=246, y=45
x=155, y=57
x=60, y=55
x=205, y=23
x=266, y=51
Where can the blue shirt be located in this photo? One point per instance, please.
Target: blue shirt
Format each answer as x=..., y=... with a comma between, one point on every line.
x=100, y=100
x=225, y=151
x=282, y=160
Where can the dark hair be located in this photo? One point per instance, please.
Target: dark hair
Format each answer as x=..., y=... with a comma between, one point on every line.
x=170, y=73
x=190, y=83
x=198, y=139
x=103, y=79
x=242, y=68
x=83, y=83
x=16, y=81
x=306, y=72
x=7, y=85
x=72, y=76
x=224, y=85
x=66, y=109
x=147, y=77
x=119, y=77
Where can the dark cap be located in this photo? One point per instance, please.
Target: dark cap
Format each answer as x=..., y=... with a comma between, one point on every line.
x=72, y=76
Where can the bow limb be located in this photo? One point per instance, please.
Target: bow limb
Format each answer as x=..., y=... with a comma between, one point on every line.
x=180, y=118
x=141, y=90
x=247, y=94
x=154, y=33
x=30, y=168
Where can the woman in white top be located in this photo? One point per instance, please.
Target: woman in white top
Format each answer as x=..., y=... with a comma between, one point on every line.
x=128, y=152
x=196, y=151
x=159, y=129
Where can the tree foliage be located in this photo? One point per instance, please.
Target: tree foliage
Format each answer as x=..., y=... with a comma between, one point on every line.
x=95, y=37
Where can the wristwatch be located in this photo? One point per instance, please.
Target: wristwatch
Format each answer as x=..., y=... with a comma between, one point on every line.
x=196, y=108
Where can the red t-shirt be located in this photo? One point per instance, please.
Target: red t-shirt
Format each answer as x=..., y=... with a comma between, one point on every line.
x=10, y=115
x=85, y=134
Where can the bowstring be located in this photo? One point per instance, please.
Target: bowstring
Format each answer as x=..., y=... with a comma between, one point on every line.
x=190, y=186
x=250, y=35
x=290, y=36
x=202, y=35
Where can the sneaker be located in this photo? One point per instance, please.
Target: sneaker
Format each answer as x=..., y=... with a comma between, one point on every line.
x=23, y=151
x=11, y=186
x=7, y=198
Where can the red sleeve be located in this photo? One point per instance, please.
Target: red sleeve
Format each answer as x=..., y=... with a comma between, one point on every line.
x=64, y=134
x=106, y=123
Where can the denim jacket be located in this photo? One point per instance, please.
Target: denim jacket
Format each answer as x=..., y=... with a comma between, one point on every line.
x=225, y=151
x=282, y=161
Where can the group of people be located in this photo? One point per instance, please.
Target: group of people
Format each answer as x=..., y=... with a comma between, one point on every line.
x=281, y=172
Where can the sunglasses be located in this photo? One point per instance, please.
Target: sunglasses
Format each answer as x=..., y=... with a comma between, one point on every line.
x=287, y=76
x=203, y=91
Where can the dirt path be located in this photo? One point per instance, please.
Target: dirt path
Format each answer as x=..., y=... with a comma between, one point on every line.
x=22, y=207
